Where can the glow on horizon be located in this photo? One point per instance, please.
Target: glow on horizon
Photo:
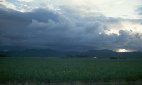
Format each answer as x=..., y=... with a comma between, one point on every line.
x=123, y=50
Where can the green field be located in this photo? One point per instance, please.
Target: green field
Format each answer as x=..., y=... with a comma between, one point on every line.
x=69, y=69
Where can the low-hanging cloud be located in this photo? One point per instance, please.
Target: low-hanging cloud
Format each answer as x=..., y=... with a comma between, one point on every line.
x=43, y=28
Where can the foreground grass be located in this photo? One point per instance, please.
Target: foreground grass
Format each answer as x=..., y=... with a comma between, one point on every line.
x=69, y=69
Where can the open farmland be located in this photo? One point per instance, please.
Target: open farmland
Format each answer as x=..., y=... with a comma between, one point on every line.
x=50, y=70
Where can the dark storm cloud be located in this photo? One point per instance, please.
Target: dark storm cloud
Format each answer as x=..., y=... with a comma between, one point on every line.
x=43, y=28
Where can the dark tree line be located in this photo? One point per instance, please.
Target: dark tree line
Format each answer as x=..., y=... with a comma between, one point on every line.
x=3, y=55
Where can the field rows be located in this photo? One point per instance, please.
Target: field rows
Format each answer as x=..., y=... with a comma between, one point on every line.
x=69, y=69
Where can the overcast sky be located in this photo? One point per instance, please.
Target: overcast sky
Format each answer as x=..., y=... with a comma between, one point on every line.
x=72, y=24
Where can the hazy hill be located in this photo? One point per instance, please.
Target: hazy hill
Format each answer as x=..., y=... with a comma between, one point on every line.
x=20, y=52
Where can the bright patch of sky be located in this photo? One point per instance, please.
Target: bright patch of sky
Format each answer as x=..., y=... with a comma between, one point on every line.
x=110, y=8
x=124, y=50
x=132, y=27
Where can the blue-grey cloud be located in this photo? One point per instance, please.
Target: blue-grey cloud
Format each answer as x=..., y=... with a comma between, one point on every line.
x=139, y=10
x=43, y=28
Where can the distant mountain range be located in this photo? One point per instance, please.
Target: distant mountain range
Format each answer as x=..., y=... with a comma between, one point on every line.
x=20, y=52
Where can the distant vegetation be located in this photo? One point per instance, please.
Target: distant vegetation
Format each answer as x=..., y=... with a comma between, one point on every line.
x=90, y=53
x=68, y=69
x=3, y=55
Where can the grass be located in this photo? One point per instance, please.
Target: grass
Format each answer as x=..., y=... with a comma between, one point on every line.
x=68, y=69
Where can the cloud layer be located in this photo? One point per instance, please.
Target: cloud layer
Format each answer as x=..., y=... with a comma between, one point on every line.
x=68, y=28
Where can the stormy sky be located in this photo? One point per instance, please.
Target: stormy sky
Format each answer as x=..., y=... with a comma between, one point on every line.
x=72, y=24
